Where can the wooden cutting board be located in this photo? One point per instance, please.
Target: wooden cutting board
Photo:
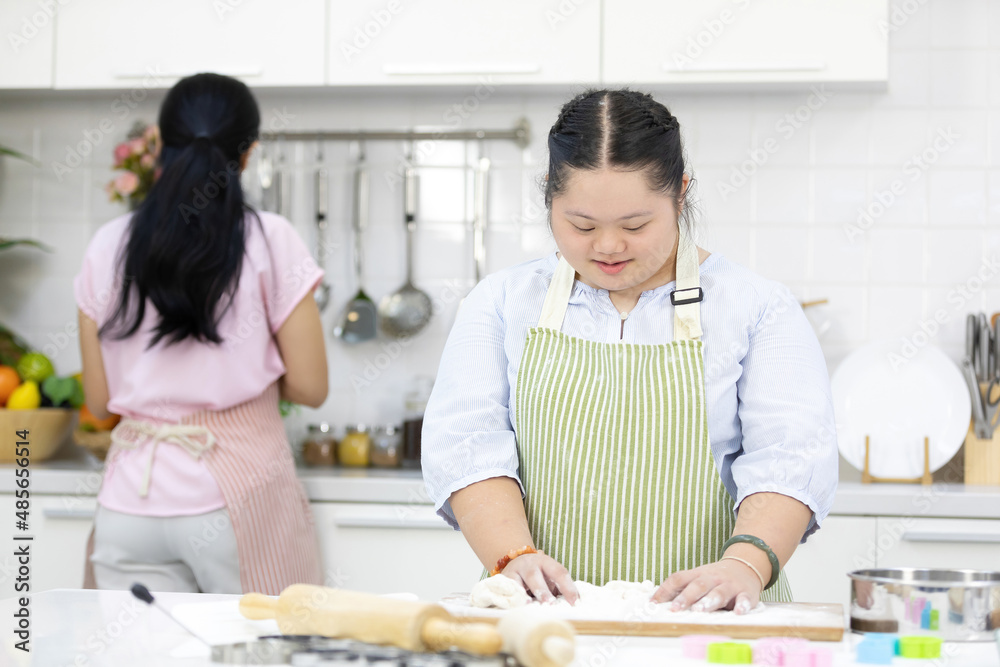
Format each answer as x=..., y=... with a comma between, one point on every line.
x=814, y=621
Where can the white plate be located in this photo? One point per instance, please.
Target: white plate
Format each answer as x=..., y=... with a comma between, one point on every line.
x=898, y=400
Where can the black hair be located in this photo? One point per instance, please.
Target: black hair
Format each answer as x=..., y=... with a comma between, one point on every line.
x=186, y=240
x=621, y=129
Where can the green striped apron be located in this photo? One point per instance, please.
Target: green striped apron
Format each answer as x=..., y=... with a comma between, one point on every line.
x=619, y=478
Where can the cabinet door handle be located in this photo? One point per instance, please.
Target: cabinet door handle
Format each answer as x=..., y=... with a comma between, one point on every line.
x=946, y=536
x=420, y=523
x=180, y=74
x=405, y=69
x=57, y=513
x=761, y=66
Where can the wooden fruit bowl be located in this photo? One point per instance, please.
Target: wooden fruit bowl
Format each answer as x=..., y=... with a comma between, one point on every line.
x=47, y=430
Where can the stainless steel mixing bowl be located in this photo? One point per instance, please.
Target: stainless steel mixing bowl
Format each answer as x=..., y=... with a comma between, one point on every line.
x=956, y=605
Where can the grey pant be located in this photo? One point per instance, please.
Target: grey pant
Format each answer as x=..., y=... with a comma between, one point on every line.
x=188, y=554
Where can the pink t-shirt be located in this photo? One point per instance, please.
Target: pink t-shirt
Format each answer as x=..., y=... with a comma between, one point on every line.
x=168, y=382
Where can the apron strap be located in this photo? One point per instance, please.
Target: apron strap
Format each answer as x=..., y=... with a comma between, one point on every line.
x=557, y=298
x=686, y=298
x=687, y=294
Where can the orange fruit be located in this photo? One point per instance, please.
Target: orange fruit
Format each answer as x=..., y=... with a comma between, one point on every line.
x=9, y=379
x=87, y=418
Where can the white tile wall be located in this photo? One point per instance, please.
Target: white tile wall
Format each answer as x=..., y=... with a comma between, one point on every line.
x=795, y=219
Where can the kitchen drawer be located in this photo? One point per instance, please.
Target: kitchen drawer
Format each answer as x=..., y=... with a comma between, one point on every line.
x=383, y=548
x=818, y=570
x=950, y=543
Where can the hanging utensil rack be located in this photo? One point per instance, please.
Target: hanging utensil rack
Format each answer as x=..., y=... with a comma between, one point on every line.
x=520, y=135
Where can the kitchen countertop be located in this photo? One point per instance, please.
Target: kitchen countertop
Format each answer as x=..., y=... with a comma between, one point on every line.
x=87, y=627
x=75, y=472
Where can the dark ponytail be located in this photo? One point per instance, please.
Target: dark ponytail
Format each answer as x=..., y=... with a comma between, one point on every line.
x=186, y=240
x=620, y=129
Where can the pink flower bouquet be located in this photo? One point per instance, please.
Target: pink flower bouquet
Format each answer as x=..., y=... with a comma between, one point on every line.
x=136, y=158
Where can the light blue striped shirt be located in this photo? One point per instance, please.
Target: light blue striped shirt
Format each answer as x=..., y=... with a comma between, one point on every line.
x=770, y=414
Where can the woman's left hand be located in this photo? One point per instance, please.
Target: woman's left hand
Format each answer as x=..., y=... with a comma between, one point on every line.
x=726, y=584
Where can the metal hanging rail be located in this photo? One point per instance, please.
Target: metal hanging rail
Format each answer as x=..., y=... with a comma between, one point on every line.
x=521, y=135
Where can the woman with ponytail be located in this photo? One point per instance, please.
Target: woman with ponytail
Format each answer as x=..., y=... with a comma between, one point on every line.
x=196, y=316
x=641, y=409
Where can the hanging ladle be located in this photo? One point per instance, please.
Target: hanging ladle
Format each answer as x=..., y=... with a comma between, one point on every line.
x=322, y=293
x=407, y=310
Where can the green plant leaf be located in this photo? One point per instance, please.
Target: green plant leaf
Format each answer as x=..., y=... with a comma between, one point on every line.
x=10, y=243
x=10, y=152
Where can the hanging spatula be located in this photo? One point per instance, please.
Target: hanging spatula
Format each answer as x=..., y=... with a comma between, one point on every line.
x=358, y=323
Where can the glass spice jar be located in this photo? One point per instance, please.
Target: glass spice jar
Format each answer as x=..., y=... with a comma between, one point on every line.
x=320, y=447
x=355, y=447
x=387, y=447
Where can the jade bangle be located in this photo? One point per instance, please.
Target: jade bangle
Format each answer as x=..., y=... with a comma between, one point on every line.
x=762, y=545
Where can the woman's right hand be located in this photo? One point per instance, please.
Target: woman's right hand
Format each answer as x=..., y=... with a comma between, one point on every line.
x=543, y=577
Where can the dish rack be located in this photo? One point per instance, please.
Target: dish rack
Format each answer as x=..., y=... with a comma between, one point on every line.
x=868, y=478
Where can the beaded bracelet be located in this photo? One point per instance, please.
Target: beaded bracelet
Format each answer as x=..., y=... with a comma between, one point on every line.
x=762, y=545
x=509, y=556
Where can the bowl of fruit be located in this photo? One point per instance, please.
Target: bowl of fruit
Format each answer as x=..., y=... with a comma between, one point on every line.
x=36, y=407
x=94, y=434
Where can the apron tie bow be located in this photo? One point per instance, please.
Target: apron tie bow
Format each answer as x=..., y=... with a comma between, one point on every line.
x=130, y=433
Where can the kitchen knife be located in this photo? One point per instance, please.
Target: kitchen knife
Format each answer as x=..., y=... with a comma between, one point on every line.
x=982, y=429
x=142, y=593
x=984, y=344
x=996, y=345
x=971, y=339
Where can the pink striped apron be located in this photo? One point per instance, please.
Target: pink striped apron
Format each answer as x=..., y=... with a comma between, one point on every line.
x=253, y=466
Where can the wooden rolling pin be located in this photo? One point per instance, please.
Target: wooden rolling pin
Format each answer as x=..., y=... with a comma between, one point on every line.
x=536, y=640
x=302, y=609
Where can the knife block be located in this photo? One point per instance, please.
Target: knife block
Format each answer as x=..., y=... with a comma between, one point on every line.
x=982, y=459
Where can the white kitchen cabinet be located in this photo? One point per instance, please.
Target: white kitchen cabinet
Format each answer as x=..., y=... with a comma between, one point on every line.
x=818, y=570
x=385, y=548
x=972, y=544
x=374, y=42
x=150, y=44
x=716, y=43
x=27, y=26
x=60, y=526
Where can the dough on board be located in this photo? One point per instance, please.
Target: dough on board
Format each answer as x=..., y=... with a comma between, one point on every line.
x=615, y=599
x=500, y=592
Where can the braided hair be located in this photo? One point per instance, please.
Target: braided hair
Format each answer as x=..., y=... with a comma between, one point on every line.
x=620, y=129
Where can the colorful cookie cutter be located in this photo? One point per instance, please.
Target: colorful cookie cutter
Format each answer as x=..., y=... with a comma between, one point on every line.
x=771, y=650
x=729, y=653
x=920, y=646
x=877, y=650
x=808, y=656
x=696, y=646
